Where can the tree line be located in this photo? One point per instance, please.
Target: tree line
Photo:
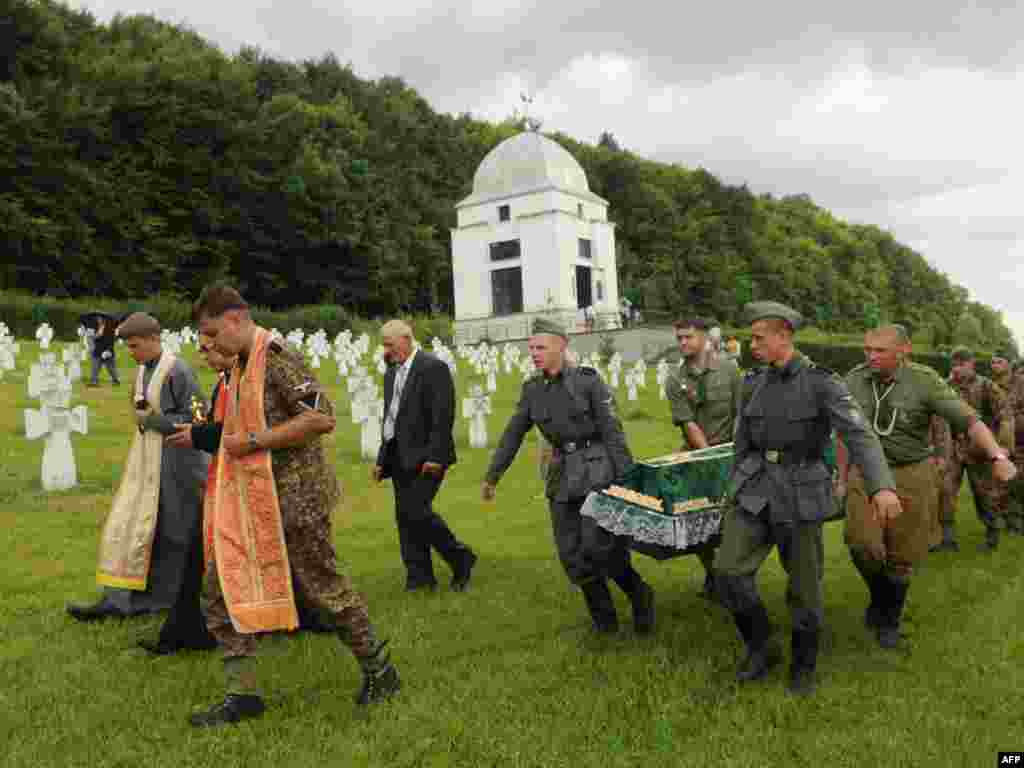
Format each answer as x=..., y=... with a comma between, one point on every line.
x=138, y=158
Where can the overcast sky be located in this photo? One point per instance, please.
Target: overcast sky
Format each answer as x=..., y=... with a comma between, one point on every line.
x=905, y=113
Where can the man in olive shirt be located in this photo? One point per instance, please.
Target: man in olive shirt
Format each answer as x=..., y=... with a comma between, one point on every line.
x=703, y=393
x=781, y=490
x=898, y=399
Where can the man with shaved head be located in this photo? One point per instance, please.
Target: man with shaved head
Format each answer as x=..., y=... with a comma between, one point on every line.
x=416, y=451
x=575, y=412
x=899, y=398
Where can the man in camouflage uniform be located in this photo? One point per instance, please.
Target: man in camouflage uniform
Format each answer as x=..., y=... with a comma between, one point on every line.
x=297, y=414
x=575, y=412
x=703, y=394
x=781, y=490
x=1010, y=377
x=940, y=438
x=993, y=406
x=898, y=398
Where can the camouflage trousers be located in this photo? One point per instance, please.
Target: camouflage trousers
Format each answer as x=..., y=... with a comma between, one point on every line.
x=1015, y=507
x=990, y=496
x=315, y=573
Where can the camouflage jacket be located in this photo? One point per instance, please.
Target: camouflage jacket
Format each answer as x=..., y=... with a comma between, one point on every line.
x=993, y=407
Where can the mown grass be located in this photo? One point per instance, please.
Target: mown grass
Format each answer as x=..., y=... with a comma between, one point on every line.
x=506, y=674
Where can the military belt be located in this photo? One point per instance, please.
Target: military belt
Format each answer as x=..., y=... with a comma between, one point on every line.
x=579, y=445
x=787, y=457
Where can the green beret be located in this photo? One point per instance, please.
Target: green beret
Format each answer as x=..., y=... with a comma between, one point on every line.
x=961, y=354
x=549, y=326
x=762, y=310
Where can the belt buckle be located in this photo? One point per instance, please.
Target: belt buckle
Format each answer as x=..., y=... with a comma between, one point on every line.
x=569, y=447
x=773, y=457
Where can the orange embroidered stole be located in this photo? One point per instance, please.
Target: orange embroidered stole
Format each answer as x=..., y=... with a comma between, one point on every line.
x=248, y=535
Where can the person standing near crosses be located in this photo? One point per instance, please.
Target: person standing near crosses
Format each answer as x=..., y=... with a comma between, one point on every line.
x=575, y=413
x=103, y=355
x=898, y=398
x=780, y=490
x=1011, y=379
x=416, y=451
x=271, y=513
x=992, y=405
x=703, y=394
x=159, y=502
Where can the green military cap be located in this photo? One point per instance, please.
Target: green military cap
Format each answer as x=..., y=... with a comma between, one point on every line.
x=549, y=326
x=762, y=310
x=961, y=354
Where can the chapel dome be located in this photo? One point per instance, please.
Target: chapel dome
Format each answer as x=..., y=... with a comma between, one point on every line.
x=528, y=162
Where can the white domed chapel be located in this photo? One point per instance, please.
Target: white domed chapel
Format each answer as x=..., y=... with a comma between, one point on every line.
x=531, y=238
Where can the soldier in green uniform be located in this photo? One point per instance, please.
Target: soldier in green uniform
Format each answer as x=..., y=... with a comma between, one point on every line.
x=899, y=397
x=993, y=407
x=1011, y=379
x=575, y=412
x=781, y=490
x=703, y=394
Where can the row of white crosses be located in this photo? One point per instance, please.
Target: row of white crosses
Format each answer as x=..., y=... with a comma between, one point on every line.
x=55, y=420
x=662, y=378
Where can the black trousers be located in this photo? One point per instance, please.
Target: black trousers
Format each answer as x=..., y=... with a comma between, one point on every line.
x=420, y=528
x=185, y=624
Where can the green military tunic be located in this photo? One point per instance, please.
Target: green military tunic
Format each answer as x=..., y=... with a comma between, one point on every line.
x=575, y=412
x=900, y=411
x=781, y=488
x=706, y=392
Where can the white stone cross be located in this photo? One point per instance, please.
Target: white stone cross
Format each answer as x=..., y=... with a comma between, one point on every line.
x=368, y=412
x=476, y=408
x=662, y=376
x=56, y=424
x=72, y=357
x=632, y=381
x=44, y=334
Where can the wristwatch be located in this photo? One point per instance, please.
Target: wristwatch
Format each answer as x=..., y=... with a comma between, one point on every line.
x=253, y=443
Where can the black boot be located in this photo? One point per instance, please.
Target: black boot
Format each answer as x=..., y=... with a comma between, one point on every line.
x=641, y=597
x=602, y=609
x=948, y=543
x=991, y=542
x=873, y=581
x=235, y=708
x=762, y=652
x=380, y=678
x=804, y=662
x=894, y=596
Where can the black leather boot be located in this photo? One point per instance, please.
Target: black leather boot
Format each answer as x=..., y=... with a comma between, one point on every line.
x=602, y=609
x=894, y=596
x=872, y=579
x=641, y=598
x=991, y=542
x=762, y=652
x=380, y=678
x=804, y=662
x=235, y=708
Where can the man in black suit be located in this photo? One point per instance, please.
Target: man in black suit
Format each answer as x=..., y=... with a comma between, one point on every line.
x=416, y=451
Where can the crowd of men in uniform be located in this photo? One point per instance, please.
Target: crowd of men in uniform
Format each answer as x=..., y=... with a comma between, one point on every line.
x=257, y=517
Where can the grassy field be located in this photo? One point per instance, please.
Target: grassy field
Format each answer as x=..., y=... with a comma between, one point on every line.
x=506, y=674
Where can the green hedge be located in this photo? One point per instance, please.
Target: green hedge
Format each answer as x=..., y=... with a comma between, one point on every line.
x=23, y=313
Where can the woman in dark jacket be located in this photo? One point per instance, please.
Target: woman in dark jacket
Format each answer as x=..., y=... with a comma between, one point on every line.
x=103, y=354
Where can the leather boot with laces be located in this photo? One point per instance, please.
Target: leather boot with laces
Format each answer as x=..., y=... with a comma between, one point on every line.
x=235, y=708
x=380, y=677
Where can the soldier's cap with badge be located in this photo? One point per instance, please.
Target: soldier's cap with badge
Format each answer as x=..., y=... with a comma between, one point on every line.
x=548, y=326
x=763, y=310
x=138, y=324
x=961, y=355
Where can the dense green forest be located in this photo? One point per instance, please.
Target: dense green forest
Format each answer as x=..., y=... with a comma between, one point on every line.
x=137, y=158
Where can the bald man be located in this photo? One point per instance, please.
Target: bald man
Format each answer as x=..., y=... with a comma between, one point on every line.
x=416, y=451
